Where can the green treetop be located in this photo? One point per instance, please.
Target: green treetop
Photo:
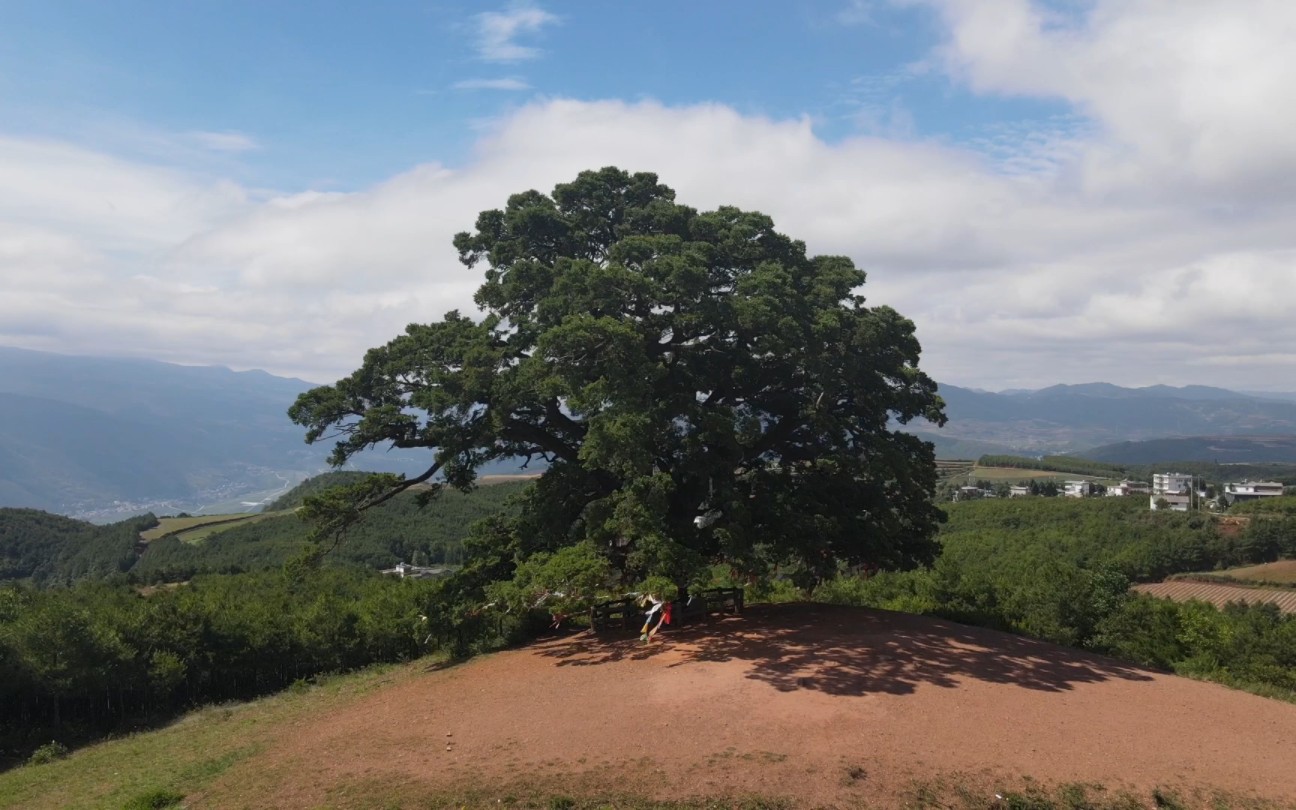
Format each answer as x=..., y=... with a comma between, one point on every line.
x=700, y=389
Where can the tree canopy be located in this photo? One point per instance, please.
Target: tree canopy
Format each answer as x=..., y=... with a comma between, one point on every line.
x=699, y=389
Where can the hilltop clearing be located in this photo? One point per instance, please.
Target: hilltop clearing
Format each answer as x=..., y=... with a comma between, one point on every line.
x=815, y=705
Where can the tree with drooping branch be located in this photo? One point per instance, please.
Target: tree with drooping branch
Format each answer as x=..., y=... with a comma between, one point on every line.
x=699, y=388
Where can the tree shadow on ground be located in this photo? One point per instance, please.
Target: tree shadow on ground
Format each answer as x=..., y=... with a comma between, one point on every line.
x=855, y=651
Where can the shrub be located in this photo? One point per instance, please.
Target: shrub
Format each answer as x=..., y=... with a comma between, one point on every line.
x=154, y=800
x=49, y=752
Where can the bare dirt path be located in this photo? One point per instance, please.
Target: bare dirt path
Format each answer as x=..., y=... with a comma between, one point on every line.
x=822, y=705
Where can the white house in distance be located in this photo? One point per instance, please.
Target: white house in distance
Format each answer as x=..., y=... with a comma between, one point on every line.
x=1077, y=489
x=1128, y=487
x=1172, y=489
x=1018, y=491
x=1171, y=484
x=1251, y=491
x=407, y=571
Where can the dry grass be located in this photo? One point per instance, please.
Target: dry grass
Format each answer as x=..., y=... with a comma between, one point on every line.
x=174, y=525
x=1283, y=571
x=194, y=530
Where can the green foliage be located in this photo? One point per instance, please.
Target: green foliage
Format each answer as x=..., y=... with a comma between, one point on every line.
x=90, y=656
x=563, y=582
x=1065, y=464
x=51, y=549
x=314, y=485
x=394, y=532
x=1220, y=473
x=1059, y=569
x=51, y=751
x=701, y=389
x=158, y=799
x=1284, y=505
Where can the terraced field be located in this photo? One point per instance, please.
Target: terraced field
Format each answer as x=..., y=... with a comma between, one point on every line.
x=1220, y=595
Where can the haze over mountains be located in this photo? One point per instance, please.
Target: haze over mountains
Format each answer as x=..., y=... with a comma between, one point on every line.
x=103, y=438
x=1079, y=418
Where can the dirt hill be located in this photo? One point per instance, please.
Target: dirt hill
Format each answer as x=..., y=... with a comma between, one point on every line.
x=819, y=705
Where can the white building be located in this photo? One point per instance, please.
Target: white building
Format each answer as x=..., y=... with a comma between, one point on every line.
x=407, y=571
x=1251, y=491
x=1175, y=503
x=1128, y=487
x=1018, y=491
x=1171, y=484
x=1077, y=489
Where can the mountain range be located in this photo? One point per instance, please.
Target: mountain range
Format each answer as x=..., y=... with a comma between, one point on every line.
x=1077, y=418
x=105, y=438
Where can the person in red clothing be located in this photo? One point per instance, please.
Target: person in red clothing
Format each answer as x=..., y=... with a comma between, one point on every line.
x=659, y=606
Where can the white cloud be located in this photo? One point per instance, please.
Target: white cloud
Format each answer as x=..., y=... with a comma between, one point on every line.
x=1068, y=252
x=498, y=31
x=507, y=83
x=224, y=141
x=1189, y=94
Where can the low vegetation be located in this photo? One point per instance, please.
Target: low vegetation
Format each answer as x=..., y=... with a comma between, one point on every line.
x=1060, y=570
x=1061, y=464
x=182, y=523
x=1281, y=572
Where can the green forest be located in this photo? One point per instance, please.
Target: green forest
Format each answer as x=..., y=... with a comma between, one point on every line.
x=1060, y=570
x=105, y=654
x=50, y=549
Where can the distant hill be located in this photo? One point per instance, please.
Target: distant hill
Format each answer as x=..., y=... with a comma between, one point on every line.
x=103, y=438
x=1220, y=449
x=50, y=549
x=1072, y=418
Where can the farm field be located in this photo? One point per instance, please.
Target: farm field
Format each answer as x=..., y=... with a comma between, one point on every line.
x=201, y=532
x=1218, y=594
x=787, y=706
x=977, y=472
x=193, y=530
x=1283, y=571
x=172, y=525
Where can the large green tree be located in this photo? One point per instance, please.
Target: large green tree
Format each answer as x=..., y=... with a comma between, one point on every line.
x=699, y=388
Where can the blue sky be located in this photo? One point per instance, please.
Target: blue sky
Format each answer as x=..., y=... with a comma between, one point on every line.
x=1059, y=191
x=344, y=94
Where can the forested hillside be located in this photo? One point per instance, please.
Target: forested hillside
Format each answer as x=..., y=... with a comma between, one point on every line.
x=398, y=531
x=1217, y=449
x=77, y=661
x=50, y=549
x=294, y=497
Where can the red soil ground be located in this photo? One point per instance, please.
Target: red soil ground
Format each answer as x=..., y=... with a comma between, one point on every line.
x=822, y=705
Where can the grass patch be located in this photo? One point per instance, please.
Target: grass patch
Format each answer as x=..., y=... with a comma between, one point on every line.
x=1017, y=474
x=154, y=800
x=175, y=525
x=143, y=770
x=1282, y=572
x=200, y=533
